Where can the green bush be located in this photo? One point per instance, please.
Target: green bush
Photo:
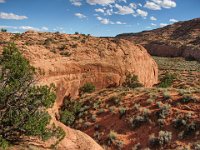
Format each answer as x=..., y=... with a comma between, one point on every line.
x=167, y=80
x=67, y=117
x=22, y=104
x=70, y=111
x=87, y=88
x=3, y=30
x=131, y=81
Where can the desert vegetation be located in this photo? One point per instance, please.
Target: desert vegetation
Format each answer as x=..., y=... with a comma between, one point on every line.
x=23, y=105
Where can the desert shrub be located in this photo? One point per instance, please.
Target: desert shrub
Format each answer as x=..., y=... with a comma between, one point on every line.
x=131, y=81
x=186, y=99
x=140, y=119
x=87, y=88
x=66, y=54
x=179, y=122
x=3, y=30
x=112, y=136
x=22, y=104
x=122, y=111
x=163, y=111
x=166, y=96
x=70, y=111
x=114, y=100
x=48, y=41
x=67, y=117
x=164, y=137
x=167, y=80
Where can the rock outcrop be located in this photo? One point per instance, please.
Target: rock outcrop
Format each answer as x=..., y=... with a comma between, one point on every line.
x=179, y=39
x=69, y=61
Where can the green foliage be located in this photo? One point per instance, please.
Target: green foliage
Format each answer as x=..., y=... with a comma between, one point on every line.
x=167, y=80
x=67, y=117
x=3, y=30
x=87, y=88
x=22, y=104
x=131, y=81
x=70, y=111
x=3, y=143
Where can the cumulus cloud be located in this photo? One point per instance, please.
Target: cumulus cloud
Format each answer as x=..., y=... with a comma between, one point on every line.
x=79, y=15
x=107, y=21
x=158, y=4
x=25, y=28
x=173, y=20
x=45, y=28
x=12, y=16
x=99, y=10
x=76, y=2
x=133, y=5
x=152, y=6
x=119, y=22
x=153, y=18
x=124, y=10
x=2, y=1
x=103, y=20
x=163, y=24
x=28, y=28
x=100, y=2
x=8, y=27
x=168, y=4
x=142, y=13
x=153, y=24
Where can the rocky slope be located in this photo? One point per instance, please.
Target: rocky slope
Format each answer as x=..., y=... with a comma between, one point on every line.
x=179, y=39
x=69, y=61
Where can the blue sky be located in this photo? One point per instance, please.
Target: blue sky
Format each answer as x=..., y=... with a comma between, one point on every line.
x=95, y=17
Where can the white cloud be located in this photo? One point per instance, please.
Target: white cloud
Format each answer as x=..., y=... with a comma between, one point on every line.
x=133, y=5
x=168, y=4
x=100, y=2
x=163, y=24
x=124, y=10
x=2, y=1
x=163, y=3
x=173, y=20
x=153, y=24
x=142, y=13
x=79, y=15
x=119, y=22
x=105, y=21
x=45, y=28
x=153, y=18
x=76, y=2
x=25, y=28
x=8, y=27
x=152, y=6
x=99, y=10
x=139, y=4
x=28, y=28
x=4, y=15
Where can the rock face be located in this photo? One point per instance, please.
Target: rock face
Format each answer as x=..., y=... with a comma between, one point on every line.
x=179, y=39
x=69, y=61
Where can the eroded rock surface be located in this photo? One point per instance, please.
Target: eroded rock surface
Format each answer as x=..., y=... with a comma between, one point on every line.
x=69, y=61
x=179, y=39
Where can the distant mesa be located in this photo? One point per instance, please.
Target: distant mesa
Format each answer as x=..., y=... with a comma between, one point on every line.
x=179, y=39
